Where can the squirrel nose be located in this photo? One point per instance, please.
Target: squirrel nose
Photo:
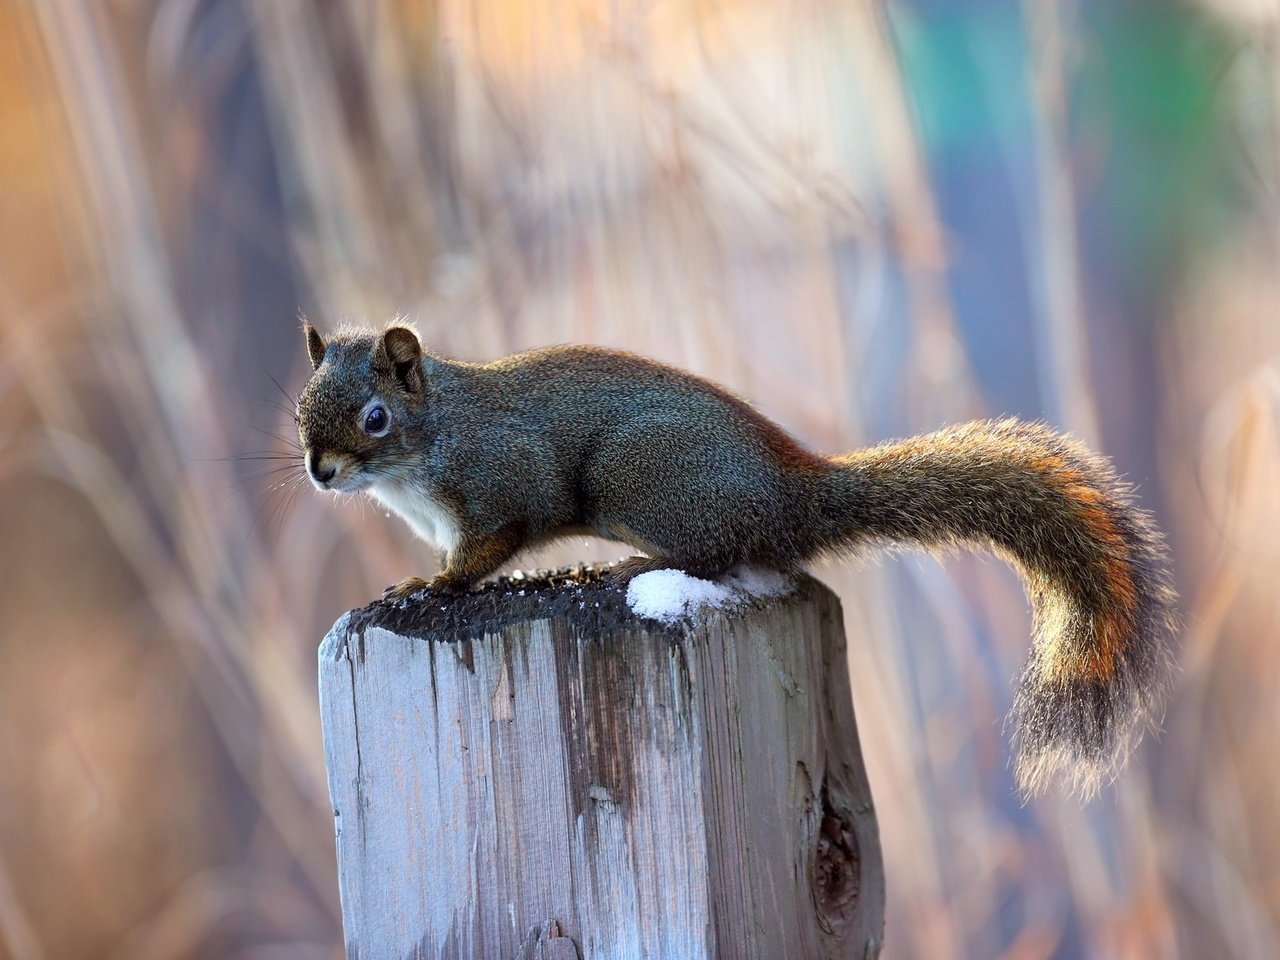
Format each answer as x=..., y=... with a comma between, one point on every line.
x=317, y=474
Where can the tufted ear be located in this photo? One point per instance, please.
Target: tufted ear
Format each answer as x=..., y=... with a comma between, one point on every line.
x=399, y=350
x=315, y=345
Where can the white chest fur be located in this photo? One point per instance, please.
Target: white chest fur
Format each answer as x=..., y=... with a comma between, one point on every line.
x=429, y=518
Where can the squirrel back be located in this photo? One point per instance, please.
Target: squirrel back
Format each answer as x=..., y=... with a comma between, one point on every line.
x=489, y=459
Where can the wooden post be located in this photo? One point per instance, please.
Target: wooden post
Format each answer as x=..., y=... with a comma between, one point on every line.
x=531, y=771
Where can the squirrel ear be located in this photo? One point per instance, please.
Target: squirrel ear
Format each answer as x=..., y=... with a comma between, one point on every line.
x=402, y=351
x=315, y=345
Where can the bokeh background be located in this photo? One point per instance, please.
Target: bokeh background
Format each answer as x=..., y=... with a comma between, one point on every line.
x=870, y=218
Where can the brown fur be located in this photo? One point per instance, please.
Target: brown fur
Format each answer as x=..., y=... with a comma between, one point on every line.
x=489, y=459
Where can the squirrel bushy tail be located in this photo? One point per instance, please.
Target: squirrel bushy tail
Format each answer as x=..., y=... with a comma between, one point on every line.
x=1093, y=563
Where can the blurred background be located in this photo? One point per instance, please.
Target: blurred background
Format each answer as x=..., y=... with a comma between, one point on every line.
x=869, y=218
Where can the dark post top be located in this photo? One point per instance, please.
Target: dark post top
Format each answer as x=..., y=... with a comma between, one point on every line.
x=580, y=593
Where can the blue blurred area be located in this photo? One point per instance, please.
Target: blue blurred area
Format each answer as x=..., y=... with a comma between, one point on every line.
x=965, y=67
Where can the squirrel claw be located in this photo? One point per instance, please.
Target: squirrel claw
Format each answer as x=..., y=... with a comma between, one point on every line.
x=443, y=583
x=410, y=587
x=405, y=588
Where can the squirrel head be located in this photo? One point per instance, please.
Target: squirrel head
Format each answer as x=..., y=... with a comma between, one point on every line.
x=355, y=414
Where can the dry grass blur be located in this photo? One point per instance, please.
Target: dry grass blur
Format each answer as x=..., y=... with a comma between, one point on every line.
x=871, y=220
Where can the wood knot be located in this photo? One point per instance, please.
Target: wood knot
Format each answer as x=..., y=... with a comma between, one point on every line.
x=837, y=865
x=547, y=942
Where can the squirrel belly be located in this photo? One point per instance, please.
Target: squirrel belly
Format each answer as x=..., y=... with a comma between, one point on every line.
x=430, y=519
x=488, y=459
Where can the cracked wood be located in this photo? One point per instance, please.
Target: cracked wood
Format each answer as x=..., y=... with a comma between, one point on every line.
x=531, y=771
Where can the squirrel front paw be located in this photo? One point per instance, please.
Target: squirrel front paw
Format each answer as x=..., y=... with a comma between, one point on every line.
x=405, y=588
x=448, y=583
x=411, y=586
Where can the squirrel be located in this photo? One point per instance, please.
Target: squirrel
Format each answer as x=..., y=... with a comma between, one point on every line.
x=487, y=459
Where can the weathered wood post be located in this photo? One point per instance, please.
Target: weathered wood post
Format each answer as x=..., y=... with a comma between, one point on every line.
x=533, y=771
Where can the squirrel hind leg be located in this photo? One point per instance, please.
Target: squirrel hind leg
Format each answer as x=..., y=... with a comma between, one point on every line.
x=624, y=571
x=627, y=570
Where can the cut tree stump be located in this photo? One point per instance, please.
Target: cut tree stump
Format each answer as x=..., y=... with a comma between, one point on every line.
x=531, y=771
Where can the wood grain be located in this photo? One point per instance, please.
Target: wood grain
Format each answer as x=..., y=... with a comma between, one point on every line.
x=555, y=778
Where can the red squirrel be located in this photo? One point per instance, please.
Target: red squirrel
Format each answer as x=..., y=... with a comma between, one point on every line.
x=487, y=459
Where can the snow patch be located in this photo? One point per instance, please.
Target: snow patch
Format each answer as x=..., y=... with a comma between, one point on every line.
x=671, y=595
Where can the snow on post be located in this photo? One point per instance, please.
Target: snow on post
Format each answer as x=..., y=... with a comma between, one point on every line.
x=552, y=767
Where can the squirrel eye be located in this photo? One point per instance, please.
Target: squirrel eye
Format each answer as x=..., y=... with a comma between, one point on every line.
x=375, y=421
